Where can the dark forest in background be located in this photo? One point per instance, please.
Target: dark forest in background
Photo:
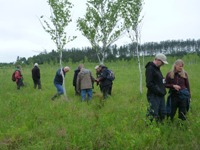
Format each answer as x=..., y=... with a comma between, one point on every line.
x=125, y=52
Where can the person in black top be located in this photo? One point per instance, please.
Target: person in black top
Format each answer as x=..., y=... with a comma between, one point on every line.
x=36, y=76
x=104, y=83
x=155, y=88
x=75, y=78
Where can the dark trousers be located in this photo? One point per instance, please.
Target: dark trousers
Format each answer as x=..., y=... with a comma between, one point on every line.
x=37, y=83
x=106, y=90
x=19, y=83
x=156, y=108
x=180, y=104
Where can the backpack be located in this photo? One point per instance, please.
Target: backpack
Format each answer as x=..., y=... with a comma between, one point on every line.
x=110, y=75
x=13, y=76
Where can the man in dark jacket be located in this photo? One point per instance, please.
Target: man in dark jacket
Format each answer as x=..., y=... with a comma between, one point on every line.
x=105, y=84
x=58, y=81
x=155, y=88
x=75, y=78
x=36, y=76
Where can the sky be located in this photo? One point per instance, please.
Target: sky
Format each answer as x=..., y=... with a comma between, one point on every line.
x=21, y=33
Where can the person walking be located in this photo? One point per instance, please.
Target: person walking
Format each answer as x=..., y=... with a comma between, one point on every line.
x=58, y=81
x=84, y=84
x=18, y=77
x=155, y=88
x=75, y=78
x=104, y=83
x=36, y=76
x=179, y=90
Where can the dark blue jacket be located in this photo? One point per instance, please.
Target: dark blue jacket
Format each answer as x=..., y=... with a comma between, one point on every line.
x=103, y=77
x=58, y=77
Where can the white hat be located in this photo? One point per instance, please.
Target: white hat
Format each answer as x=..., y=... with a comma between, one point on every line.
x=96, y=67
x=161, y=57
x=36, y=64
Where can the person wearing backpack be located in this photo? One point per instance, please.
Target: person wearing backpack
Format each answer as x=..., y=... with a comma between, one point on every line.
x=105, y=82
x=18, y=77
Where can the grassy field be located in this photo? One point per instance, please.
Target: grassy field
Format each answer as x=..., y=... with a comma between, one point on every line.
x=29, y=120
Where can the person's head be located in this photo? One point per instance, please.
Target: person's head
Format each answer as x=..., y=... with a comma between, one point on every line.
x=178, y=65
x=178, y=68
x=101, y=66
x=66, y=69
x=97, y=68
x=80, y=66
x=18, y=67
x=36, y=64
x=160, y=59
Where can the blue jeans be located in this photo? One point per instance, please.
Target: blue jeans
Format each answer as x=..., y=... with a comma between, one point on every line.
x=59, y=88
x=84, y=92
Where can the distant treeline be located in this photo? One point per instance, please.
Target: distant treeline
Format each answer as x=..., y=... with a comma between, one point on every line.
x=125, y=52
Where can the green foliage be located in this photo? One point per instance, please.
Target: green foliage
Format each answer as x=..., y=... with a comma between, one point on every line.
x=102, y=25
x=30, y=120
x=60, y=18
x=131, y=11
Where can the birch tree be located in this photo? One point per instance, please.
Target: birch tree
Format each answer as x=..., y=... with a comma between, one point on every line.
x=55, y=25
x=101, y=25
x=131, y=10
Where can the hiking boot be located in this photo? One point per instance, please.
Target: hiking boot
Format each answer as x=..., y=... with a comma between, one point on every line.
x=56, y=95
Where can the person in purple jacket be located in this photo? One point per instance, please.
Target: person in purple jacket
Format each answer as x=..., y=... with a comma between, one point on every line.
x=179, y=90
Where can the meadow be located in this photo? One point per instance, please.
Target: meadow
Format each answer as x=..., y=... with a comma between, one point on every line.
x=30, y=120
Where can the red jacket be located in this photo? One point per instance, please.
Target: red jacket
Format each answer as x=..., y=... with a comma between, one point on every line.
x=18, y=75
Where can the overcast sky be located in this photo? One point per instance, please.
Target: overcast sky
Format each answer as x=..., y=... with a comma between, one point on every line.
x=21, y=33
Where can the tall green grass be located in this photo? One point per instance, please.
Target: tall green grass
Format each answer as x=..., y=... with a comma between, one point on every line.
x=29, y=120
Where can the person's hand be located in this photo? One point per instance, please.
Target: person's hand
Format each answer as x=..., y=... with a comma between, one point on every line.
x=176, y=87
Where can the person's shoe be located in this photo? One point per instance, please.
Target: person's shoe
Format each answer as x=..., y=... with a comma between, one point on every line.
x=53, y=98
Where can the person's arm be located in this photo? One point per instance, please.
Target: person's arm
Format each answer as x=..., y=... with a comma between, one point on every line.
x=102, y=76
x=75, y=78
x=78, y=83
x=168, y=83
x=38, y=73
x=187, y=83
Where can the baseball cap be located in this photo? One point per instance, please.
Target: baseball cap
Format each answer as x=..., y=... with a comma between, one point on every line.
x=161, y=57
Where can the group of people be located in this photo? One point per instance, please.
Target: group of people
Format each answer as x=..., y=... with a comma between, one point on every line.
x=176, y=81
x=83, y=82
x=18, y=77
